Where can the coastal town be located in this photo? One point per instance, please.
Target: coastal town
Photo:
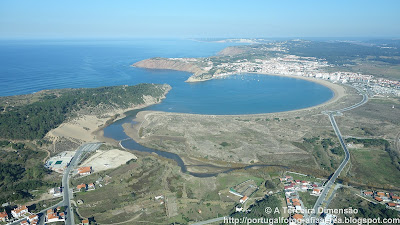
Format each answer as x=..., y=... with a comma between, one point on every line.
x=284, y=64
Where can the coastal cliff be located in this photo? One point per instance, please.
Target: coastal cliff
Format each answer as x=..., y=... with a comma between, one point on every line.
x=182, y=64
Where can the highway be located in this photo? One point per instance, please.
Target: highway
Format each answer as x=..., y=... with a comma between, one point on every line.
x=323, y=198
x=67, y=193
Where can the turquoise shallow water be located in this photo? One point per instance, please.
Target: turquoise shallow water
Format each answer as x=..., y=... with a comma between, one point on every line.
x=30, y=66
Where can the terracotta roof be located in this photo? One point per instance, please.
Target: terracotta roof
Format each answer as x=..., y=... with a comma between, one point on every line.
x=395, y=197
x=368, y=192
x=296, y=203
x=378, y=199
x=244, y=198
x=297, y=216
x=86, y=169
x=380, y=194
x=81, y=186
x=391, y=204
x=52, y=216
x=24, y=222
x=3, y=214
x=32, y=216
x=50, y=211
x=19, y=209
x=85, y=221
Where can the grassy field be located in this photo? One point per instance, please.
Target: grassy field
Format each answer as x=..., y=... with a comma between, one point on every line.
x=133, y=187
x=302, y=177
x=308, y=200
x=374, y=166
x=230, y=181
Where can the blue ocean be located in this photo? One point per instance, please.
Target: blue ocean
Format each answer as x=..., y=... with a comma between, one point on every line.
x=28, y=66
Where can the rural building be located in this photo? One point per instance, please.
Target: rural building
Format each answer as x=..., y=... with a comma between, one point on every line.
x=56, y=192
x=81, y=186
x=316, y=191
x=368, y=193
x=297, y=216
x=19, y=211
x=91, y=186
x=243, y=199
x=380, y=194
x=33, y=217
x=85, y=222
x=3, y=216
x=24, y=222
x=85, y=170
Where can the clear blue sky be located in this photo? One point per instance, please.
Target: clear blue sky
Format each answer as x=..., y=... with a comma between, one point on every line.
x=200, y=18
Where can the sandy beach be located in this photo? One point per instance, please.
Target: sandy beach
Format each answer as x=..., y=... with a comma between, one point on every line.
x=89, y=128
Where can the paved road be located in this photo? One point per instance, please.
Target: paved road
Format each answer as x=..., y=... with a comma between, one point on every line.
x=324, y=195
x=65, y=183
x=210, y=221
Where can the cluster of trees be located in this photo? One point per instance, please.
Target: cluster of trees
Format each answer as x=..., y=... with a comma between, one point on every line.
x=34, y=120
x=376, y=211
x=21, y=171
x=369, y=142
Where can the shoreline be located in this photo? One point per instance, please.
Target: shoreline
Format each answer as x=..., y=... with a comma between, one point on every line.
x=90, y=128
x=338, y=90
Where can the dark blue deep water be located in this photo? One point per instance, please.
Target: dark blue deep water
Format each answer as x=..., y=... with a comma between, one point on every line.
x=31, y=66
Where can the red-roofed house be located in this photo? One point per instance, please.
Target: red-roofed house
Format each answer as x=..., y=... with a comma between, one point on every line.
x=244, y=199
x=368, y=193
x=391, y=204
x=19, y=211
x=380, y=194
x=91, y=186
x=85, y=170
x=80, y=186
x=24, y=222
x=52, y=217
x=316, y=191
x=378, y=199
x=85, y=222
x=297, y=216
x=3, y=216
x=33, y=217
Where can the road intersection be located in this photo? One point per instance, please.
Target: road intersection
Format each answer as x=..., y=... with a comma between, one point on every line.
x=324, y=198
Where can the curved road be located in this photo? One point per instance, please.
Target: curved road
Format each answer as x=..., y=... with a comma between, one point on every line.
x=67, y=193
x=324, y=195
